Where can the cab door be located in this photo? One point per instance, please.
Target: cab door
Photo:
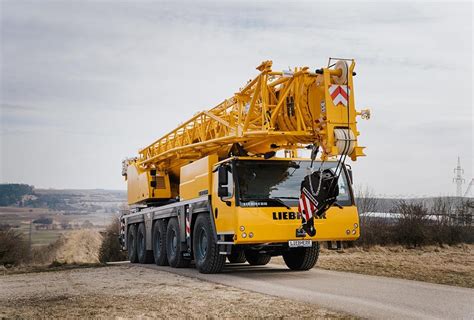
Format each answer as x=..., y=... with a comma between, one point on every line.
x=223, y=199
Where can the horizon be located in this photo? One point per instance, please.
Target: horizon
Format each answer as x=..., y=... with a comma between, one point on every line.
x=356, y=188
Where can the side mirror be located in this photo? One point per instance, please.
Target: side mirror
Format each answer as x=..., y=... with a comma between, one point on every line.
x=223, y=178
x=223, y=175
x=222, y=191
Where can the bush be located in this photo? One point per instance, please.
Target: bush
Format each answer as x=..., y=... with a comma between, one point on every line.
x=110, y=249
x=14, y=249
x=411, y=224
x=444, y=220
x=375, y=231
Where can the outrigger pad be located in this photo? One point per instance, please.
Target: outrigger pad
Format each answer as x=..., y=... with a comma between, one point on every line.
x=321, y=200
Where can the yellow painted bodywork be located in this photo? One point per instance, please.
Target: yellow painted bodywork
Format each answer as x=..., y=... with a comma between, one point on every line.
x=225, y=219
x=196, y=178
x=259, y=221
x=139, y=185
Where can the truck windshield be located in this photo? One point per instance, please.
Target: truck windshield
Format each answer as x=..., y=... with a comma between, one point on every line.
x=259, y=181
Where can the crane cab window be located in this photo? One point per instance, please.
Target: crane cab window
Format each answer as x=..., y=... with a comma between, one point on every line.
x=278, y=183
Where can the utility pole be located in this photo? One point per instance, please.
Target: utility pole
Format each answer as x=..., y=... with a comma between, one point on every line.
x=29, y=238
x=458, y=179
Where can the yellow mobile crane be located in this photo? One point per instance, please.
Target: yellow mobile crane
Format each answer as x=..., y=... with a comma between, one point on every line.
x=215, y=188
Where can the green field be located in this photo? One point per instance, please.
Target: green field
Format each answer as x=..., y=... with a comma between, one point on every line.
x=40, y=237
x=20, y=219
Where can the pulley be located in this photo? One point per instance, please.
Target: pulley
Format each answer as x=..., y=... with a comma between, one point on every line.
x=345, y=140
x=341, y=79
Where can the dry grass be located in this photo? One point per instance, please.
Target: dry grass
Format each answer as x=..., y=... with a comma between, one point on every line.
x=128, y=291
x=451, y=265
x=79, y=246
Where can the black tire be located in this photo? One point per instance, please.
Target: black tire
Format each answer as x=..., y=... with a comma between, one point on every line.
x=205, y=248
x=257, y=259
x=144, y=255
x=237, y=256
x=302, y=258
x=132, y=243
x=159, y=243
x=173, y=246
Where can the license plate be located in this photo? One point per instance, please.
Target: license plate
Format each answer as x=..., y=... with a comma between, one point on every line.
x=300, y=243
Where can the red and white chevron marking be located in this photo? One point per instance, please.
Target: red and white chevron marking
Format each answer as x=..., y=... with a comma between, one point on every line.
x=339, y=94
x=188, y=227
x=307, y=204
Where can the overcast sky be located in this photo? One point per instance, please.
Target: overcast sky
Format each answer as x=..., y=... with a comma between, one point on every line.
x=86, y=84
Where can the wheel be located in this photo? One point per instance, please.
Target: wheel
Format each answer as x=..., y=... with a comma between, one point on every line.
x=302, y=258
x=206, y=251
x=132, y=243
x=159, y=243
x=144, y=255
x=237, y=256
x=257, y=259
x=173, y=245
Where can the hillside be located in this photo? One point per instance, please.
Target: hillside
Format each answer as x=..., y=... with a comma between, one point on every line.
x=48, y=213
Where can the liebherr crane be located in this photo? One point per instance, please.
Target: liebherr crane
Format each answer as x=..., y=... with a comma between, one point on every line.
x=228, y=183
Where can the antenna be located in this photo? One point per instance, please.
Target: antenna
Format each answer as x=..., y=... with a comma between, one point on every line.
x=458, y=179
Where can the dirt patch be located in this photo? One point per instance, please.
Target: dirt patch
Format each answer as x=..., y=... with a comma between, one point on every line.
x=451, y=265
x=128, y=291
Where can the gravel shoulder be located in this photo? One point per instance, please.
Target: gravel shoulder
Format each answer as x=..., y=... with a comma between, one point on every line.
x=127, y=291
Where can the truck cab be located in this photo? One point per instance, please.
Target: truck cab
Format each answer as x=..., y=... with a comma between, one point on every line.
x=256, y=200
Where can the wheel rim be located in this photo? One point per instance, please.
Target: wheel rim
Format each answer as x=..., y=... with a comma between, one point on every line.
x=141, y=243
x=202, y=243
x=174, y=243
x=157, y=244
x=131, y=244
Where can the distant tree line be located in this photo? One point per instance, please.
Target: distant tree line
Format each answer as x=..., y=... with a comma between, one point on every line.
x=12, y=194
x=413, y=223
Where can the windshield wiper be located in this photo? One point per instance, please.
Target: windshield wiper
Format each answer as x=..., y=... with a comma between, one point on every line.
x=281, y=201
x=286, y=198
x=337, y=205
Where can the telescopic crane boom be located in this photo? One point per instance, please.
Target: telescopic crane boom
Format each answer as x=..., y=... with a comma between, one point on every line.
x=277, y=110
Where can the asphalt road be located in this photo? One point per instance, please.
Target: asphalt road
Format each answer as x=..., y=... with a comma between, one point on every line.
x=360, y=295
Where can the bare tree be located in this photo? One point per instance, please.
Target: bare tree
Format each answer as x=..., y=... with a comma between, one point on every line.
x=412, y=221
x=365, y=200
x=374, y=229
x=442, y=212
